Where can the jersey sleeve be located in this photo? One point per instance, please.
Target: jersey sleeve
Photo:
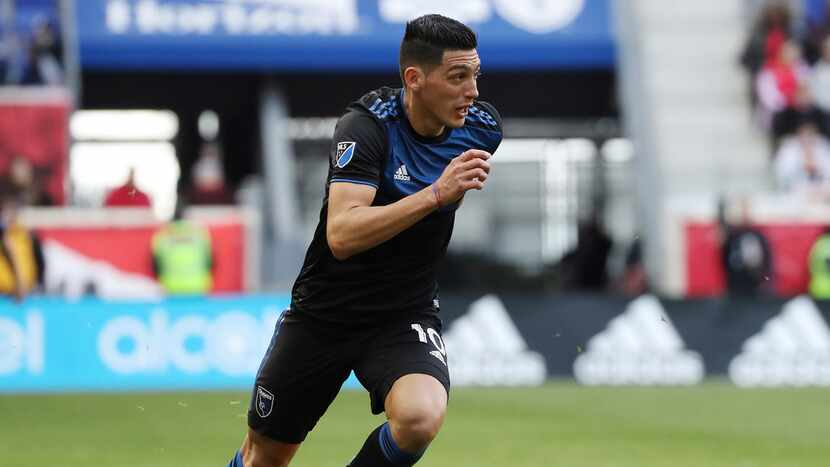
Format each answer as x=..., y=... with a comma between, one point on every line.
x=358, y=149
x=493, y=125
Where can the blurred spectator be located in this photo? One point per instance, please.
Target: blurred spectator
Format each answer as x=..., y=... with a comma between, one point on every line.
x=802, y=164
x=585, y=267
x=5, y=52
x=183, y=256
x=746, y=254
x=34, y=55
x=45, y=53
x=773, y=26
x=128, y=194
x=21, y=257
x=787, y=121
x=22, y=177
x=817, y=20
x=208, y=178
x=778, y=82
x=634, y=280
x=820, y=81
x=13, y=55
x=819, y=264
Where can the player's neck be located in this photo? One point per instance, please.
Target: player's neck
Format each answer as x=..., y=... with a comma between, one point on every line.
x=419, y=120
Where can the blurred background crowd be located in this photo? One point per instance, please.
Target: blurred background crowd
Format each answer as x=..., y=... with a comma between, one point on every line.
x=31, y=50
x=787, y=59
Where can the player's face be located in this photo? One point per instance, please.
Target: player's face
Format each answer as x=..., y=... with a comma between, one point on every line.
x=452, y=87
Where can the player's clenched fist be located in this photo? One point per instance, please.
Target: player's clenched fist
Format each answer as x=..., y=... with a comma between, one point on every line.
x=466, y=172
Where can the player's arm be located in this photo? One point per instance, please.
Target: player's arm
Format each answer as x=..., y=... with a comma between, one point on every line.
x=354, y=225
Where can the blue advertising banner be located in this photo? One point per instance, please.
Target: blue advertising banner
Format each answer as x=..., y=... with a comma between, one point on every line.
x=519, y=339
x=333, y=35
x=90, y=345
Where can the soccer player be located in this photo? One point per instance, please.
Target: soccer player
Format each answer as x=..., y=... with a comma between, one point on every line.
x=366, y=298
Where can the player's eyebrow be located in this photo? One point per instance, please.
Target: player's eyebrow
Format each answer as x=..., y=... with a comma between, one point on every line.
x=465, y=67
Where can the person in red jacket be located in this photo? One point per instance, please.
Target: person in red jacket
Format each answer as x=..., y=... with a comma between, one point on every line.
x=127, y=195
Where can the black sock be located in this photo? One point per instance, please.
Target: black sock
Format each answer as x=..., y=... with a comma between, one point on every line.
x=380, y=450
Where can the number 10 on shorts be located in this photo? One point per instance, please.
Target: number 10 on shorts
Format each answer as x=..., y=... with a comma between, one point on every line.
x=440, y=352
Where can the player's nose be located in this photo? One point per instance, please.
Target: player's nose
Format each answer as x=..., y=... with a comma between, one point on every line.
x=472, y=91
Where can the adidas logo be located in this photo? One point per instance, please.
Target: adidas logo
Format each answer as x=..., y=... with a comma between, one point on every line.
x=486, y=349
x=640, y=346
x=401, y=174
x=792, y=349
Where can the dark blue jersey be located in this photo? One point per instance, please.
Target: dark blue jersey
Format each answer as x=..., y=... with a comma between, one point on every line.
x=375, y=145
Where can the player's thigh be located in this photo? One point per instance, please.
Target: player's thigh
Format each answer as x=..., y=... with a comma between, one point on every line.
x=412, y=345
x=299, y=377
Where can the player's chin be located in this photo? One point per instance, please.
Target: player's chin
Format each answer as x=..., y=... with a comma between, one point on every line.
x=456, y=122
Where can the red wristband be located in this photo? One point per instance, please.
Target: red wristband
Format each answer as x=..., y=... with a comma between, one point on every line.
x=437, y=195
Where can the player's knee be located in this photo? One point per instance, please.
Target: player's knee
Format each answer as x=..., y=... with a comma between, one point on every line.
x=418, y=425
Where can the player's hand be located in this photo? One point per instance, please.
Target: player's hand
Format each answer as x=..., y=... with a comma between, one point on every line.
x=466, y=172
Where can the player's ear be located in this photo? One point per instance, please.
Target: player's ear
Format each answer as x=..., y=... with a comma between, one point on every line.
x=413, y=77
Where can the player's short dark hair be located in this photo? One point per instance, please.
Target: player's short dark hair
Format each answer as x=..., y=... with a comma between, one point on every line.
x=428, y=36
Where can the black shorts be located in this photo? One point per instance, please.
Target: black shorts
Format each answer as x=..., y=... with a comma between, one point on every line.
x=307, y=363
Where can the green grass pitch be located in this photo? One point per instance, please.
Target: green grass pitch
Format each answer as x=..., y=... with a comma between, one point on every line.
x=560, y=424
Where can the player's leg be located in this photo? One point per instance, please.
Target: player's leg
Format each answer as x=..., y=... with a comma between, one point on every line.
x=299, y=377
x=406, y=373
x=259, y=451
x=415, y=408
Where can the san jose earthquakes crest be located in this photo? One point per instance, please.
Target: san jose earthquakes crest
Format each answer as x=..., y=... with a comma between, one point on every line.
x=344, y=154
x=264, y=402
